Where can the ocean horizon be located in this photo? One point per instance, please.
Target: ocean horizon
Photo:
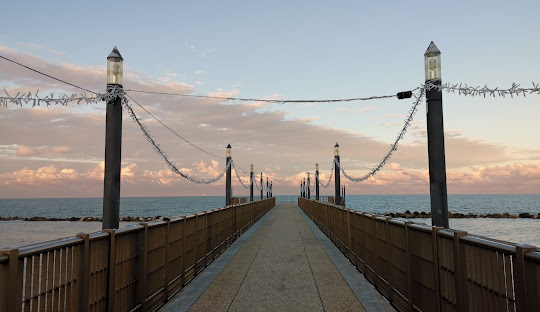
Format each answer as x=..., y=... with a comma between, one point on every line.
x=19, y=233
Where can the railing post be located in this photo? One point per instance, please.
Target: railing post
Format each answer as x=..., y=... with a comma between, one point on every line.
x=183, y=253
x=436, y=280
x=408, y=247
x=460, y=277
x=12, y=282
x=520, y=279
x=84, y=273
x=142, y=248
x=111, y=276
x=167, y=257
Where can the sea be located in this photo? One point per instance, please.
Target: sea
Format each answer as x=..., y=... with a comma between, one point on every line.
x=18, y=233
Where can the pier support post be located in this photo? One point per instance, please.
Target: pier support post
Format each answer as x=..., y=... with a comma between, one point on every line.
x=228, y=188
x=251, y=181
x=337, y=188
x=317, y=182
x=435, y=133
x=113, y=143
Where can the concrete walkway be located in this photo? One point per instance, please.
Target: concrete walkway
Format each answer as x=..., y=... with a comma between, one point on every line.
x=283, y=265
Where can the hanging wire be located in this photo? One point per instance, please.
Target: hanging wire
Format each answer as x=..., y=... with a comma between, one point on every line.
x=46, y=75
x=399, y=95
x=393, y=147
x=171, y=130
x=160, y=152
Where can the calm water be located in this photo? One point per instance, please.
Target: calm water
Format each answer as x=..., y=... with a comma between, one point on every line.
x=177, y=206
x=18, y=233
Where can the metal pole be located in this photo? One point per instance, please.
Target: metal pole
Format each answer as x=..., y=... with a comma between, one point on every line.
x=435, y=133
x=337, y=198
x=267, y=190
x=317, y=182
x=228, y=188
x=113, y=158
x=251, y=180
x=308, y=187
x=271, y=188
x=262, y=188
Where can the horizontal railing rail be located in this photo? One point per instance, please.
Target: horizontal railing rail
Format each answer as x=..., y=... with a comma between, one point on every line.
x=423, y=268
x=136, y=268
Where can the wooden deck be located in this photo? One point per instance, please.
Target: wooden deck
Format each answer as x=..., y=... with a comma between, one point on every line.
x=285, y=264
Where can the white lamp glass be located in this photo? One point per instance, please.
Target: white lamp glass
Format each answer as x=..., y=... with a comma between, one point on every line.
x=115, y=68
x=432, y=59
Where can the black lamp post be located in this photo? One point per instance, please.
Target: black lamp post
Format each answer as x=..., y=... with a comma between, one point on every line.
x=228, y=188
x=251, y=181
x=271, y=186
x=267, y=188
x=337, y=181
x=113, y=143
x=308, y=187
x=435, y=132
x=262, y=187
x=317, y=182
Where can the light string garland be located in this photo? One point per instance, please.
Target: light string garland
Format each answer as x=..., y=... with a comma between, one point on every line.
x=239, y=178
x=329, y=178
x=160, y=152
x=393, y=147
x=24, y=98
x=172, y=131
x=257, y=185
x=463, y=89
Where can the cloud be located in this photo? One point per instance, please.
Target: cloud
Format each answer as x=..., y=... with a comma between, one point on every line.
x=276, y=144
x=38, y=47
x=25, y=151
x=43, y=175
x=61, y=150
x=368, y=108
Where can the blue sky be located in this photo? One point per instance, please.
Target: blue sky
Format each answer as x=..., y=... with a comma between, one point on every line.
x=307, y=50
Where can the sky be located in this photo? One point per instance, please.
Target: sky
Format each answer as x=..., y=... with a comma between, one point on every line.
x=312, y=50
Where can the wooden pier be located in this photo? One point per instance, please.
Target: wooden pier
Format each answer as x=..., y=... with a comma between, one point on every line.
x=283, y=266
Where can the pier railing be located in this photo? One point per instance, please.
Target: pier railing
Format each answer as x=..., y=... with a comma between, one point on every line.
x=136, y=268
x=423, y=268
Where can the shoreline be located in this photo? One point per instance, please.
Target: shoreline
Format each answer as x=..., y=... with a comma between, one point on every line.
x=407, y=215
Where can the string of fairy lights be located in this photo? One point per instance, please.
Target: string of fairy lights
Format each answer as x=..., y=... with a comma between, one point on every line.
x=113, y=92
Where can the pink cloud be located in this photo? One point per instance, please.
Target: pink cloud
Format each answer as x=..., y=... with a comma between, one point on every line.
x=25, y=151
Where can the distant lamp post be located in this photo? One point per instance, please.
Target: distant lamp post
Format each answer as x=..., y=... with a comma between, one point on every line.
x=251, y=181
x=317, y=182
x=435, y=133
x=267, y=188
x=308, y=187
x=228, y=187
x=262, y=187
x=113, y=143
x=337, y=187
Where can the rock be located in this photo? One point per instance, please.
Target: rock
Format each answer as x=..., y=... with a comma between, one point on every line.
x=525, y=215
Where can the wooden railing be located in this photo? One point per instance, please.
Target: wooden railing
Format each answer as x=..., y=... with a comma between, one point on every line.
x=423, y=268
x=134, y=268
